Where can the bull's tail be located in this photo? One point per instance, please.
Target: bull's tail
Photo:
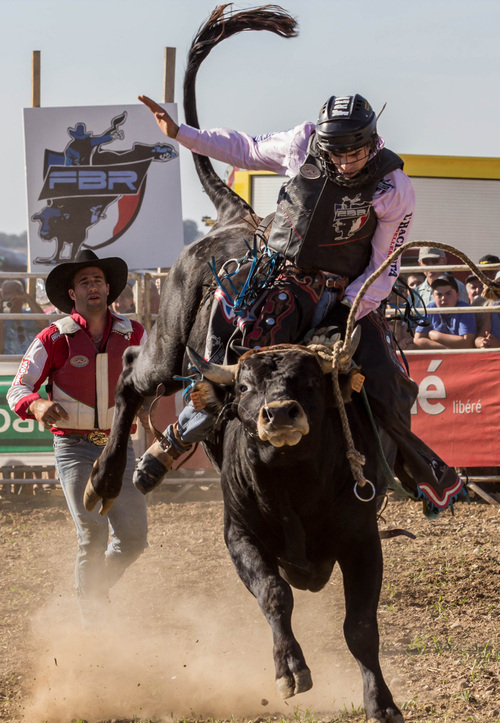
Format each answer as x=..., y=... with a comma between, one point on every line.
x=222, y=24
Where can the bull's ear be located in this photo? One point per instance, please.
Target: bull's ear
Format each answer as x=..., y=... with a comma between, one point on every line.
x=217, y=373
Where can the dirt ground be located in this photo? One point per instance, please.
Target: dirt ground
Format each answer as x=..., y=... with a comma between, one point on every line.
x=187, y=640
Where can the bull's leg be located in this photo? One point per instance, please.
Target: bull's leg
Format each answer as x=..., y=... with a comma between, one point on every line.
x=260, y=575
x=106, y=478
x=362, y=565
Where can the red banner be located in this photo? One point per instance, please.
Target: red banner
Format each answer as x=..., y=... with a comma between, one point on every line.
x=457, y=412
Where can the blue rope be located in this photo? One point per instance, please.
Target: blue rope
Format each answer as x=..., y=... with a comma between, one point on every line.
x=186, y=394
x=265, y=267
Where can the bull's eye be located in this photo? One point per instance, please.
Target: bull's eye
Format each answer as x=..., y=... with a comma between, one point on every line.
x=242, y=388
x=314, y=382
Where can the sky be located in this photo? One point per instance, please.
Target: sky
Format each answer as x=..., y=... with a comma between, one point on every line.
x=435, y=63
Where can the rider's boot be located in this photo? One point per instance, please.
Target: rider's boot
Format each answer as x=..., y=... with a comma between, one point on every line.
x=193, y=425
x=157, y=460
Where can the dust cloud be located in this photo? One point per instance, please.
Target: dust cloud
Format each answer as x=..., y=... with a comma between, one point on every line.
x=169, y=653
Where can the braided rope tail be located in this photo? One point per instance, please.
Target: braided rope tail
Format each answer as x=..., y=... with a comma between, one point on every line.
x=341, y=357
x=340, y=364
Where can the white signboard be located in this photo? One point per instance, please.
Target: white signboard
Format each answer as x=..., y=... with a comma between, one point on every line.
x=103, y=178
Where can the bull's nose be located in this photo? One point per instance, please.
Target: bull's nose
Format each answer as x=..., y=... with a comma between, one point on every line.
x=281, y=413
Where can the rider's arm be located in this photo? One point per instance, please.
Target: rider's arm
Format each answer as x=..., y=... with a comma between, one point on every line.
x=394, y=209
x=281, y=152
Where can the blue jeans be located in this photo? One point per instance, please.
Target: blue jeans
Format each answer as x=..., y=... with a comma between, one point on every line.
x=193, y=426
x=100, y=565
x=325, y=304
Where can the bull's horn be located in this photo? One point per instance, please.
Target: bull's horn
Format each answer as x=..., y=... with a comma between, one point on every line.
x=218, y=373
x=347, y=355
x=355, y=337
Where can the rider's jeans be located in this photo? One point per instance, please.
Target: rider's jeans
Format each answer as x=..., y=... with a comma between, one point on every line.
x=325, y=304
x=193, y=426
x=100, y=564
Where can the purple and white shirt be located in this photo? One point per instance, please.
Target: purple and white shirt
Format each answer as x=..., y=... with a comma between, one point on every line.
x=283, y=153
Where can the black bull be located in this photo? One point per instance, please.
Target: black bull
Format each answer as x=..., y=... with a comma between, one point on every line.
x=290, y=507
x=290, y=510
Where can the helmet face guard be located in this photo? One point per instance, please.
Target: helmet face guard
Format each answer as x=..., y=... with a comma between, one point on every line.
x=346, y=124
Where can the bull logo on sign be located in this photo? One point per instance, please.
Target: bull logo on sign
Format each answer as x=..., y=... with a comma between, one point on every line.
x=82, y=181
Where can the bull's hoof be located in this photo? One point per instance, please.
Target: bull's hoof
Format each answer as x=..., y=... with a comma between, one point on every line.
x=303, y=681
x=388, y=717
x=295, y=683
x=91, y=498
x=285, y=686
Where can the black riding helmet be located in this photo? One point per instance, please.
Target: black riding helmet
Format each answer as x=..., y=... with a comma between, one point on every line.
x=345, y=123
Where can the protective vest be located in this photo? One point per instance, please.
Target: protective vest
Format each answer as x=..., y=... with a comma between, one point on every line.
x=85, y=384
x=321, y=225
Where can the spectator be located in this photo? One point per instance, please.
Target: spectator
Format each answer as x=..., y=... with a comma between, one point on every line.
x=488, y=326
x=125, y=303
x=435, y=257
x=415, y=279
x=447, y=331
x=489, y=259
x=154, y=297
x=15, y=334
x=81, y=356
x=474, y=287
x=43, y=299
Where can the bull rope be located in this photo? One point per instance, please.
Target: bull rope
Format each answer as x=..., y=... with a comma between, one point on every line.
x=355, y=458
x=341, y=359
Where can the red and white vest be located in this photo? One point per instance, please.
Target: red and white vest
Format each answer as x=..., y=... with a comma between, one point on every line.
x=85, y=384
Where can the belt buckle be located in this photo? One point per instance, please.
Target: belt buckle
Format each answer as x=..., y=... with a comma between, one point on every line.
x=98, y=438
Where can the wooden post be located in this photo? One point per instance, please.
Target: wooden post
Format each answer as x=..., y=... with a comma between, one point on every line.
x=35, y=79
x=169, y=76
x=36, y=83
x=168, y=87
